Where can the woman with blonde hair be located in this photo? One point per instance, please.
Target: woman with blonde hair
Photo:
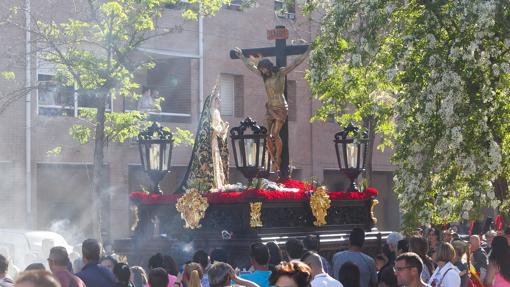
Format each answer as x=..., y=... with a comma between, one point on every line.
x=446, y=274
x=192, y=275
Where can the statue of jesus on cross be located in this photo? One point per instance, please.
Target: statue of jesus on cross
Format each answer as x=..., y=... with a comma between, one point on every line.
x=277, y=109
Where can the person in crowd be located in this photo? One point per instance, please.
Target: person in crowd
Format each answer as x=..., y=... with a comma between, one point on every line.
x=489, y=236
x=448, y=235
x=122, y=274
x=158, y=261
x=387, y=278
x=364, y=262
x=320, y=278
x=259, y=259
x=201, y=257
x=4, y=278
x=170, y=265
x=221, y=274
x=498, y=274
x=349, y=275
x=108, y=262
x=408, y=269
x=387, y=268
x=392, y=242
x=312, y=243
x=138, y=276
x=219, y=255
x=58, y=261
x=506, y=234
x=192, y=275
x=36, y=278
x=480, y=259
x=158, y=277
x=460, y=261
x=35, y=266
x=433, y=238
x=291, y=274
x=275, y=255
x=420, y=246
x=294, y=248
x=380, y=261
x=446, y=274
x=93, y=274
x=402, y=246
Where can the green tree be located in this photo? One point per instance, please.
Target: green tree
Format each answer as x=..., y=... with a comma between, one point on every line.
x=345, y=74
x=93, y=53
x=447, y=63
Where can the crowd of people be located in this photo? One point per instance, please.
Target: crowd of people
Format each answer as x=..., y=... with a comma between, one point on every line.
x=434, y=258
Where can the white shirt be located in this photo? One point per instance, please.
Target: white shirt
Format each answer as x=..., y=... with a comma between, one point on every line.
x=324, y=280
x=446, y=276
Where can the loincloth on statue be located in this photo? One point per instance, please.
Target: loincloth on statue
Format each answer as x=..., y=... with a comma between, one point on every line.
x=279, y=113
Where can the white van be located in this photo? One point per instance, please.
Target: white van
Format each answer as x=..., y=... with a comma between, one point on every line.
x=24, y=247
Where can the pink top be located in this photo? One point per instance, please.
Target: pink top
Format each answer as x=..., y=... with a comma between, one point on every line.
x=171, y=281
x=499, y=281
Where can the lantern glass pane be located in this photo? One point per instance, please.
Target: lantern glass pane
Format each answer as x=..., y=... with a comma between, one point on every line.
x=361, y=148
x=166, y=156
x=154, y=156
x=352, y=155
x=145, y=150
x=250, y=146
x=237, y=149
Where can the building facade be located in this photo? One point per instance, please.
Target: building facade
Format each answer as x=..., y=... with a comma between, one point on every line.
x=45, y=190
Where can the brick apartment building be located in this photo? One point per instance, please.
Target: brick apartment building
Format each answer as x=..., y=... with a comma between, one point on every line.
x=187, y=65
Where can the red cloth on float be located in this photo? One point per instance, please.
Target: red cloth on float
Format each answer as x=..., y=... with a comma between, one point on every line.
x=255, y=195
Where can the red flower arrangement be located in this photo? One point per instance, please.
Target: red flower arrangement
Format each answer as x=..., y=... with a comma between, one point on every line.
x=255, y=195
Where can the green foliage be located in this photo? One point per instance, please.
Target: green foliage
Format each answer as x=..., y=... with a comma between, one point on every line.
x=7, y=75
x=54, y=151
x=345, y=74
x=119, y=127
x=446, y=67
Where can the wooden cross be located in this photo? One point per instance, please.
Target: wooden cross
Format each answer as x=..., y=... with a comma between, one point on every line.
x=280, y=51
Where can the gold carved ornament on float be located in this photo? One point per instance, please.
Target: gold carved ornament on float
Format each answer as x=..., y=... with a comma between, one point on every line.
x=375, y=202
x=255, y=214
x=320, y=203
x=192, y=207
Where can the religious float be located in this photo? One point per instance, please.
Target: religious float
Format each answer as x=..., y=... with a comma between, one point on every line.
x=207, y=212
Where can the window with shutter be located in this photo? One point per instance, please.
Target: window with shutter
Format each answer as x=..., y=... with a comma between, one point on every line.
x=291, y=99
x=227, y=91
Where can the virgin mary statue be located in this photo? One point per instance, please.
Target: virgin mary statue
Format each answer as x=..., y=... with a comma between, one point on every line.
x=208, y=166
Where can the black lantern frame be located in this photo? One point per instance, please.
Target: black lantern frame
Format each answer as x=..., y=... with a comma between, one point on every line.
x=351, y=151
x=155, y=145
x=250, y=150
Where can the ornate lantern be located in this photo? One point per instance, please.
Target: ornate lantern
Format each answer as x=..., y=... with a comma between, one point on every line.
x=155, y=145
x=351, y=150
x=250, y=151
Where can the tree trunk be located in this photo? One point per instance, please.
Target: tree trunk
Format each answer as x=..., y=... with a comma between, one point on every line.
x=97, y=174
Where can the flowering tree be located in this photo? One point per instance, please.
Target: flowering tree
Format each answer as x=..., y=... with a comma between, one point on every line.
x=447, y=63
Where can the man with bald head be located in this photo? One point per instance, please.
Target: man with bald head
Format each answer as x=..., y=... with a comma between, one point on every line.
x=480, y=259
x=320, y=277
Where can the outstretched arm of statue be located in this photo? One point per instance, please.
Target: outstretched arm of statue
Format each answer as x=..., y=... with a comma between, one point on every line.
x=249, y=64
x=297, y=61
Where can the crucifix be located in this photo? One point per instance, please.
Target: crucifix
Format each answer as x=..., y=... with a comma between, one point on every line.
x=275, y=82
